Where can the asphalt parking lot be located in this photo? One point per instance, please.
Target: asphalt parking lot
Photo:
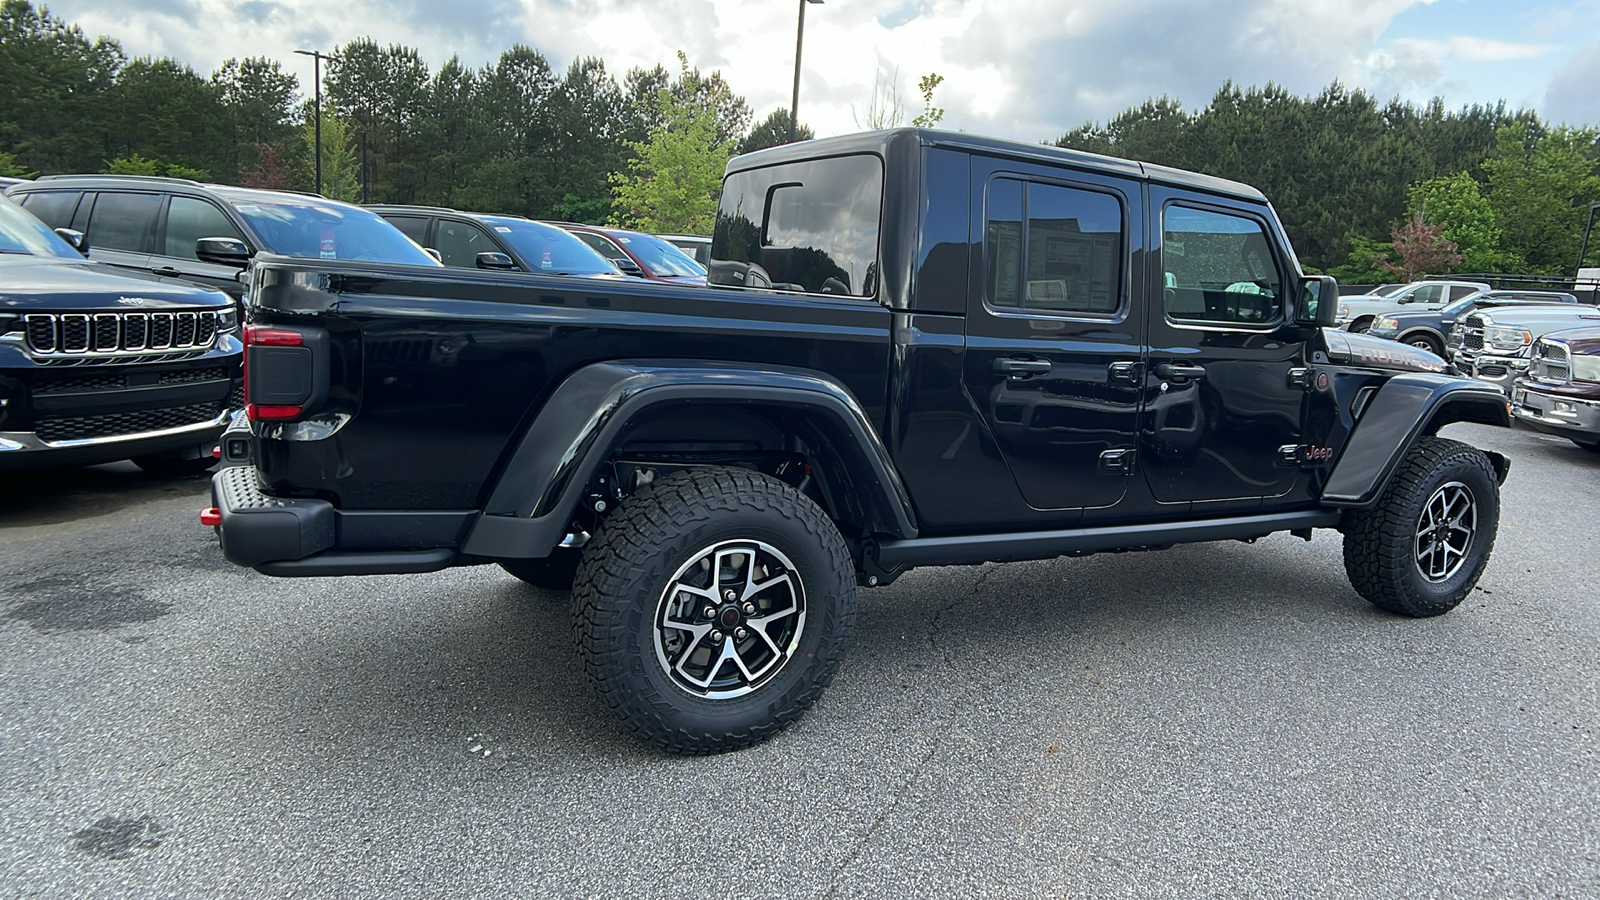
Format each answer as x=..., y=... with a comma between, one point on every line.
x=1221, y=720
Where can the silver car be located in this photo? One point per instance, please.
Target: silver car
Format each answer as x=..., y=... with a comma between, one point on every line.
x=1357, y=313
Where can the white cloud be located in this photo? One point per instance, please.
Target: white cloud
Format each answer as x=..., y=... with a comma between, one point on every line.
x=1026, y=69
x=1574, y=94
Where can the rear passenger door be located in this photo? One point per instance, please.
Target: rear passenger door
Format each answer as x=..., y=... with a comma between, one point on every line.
x=187, y=220
x=122, y=227
x=1053, y=343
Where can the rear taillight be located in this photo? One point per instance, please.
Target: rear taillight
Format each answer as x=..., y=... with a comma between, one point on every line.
x=284, y=370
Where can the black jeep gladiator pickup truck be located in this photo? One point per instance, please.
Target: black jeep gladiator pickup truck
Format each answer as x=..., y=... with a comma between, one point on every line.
x=916, y=348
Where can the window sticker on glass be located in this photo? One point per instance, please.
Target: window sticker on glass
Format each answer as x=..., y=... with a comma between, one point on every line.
x=545, y=261
x=329, y=245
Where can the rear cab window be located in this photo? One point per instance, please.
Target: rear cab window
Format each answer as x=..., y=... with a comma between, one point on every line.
x=809, y=226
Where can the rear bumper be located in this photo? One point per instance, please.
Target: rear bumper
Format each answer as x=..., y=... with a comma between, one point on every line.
x=309, y=537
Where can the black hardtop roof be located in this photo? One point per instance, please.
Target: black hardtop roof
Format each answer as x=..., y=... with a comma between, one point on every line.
x=879, y=142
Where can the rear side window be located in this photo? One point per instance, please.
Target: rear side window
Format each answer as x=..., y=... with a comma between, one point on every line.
x=413, y=227
x=1218, y=269
x=54, y=208
x=1053, y=249
x=125, y=222
x=189, y=220
x=808, y=226
x=600, y=245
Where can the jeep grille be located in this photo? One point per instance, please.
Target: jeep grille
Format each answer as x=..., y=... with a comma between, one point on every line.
x=80, y=334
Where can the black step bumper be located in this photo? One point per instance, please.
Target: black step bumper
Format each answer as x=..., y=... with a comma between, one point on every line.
x=309, y=537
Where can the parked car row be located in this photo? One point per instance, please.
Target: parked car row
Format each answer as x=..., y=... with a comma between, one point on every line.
x=119, y=339
x=1541, y=347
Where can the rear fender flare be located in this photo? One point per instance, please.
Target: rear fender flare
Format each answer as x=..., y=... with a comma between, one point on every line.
x=532, y=503
x=1408, y=407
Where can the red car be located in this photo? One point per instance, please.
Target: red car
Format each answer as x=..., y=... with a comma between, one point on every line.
x=641, y=255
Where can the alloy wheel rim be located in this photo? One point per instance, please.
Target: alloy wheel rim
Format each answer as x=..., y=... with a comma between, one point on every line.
x=729, y=619
x=1445, y=531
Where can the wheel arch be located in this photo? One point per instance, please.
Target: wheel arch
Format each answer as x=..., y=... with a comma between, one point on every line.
x=1407, y=408
x=1423, y=331
x=596, y=410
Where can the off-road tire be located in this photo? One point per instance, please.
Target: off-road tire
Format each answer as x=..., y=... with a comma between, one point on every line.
x=652, y=540
x=1380, y=544
x=553, y=573
x=174, y=466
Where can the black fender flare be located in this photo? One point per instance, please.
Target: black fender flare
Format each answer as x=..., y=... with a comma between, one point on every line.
x=531, y=505
x=1408, y=407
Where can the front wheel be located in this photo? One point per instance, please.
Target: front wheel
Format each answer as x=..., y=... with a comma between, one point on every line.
x=1427, y=343
x=713, y=608
x=1419, y=552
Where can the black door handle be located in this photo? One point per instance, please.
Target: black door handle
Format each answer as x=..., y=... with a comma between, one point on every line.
x=167, y=272
x=1021, y=368
x=1179, y=372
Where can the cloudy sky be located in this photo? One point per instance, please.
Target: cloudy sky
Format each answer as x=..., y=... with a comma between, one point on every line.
x=1023, y=69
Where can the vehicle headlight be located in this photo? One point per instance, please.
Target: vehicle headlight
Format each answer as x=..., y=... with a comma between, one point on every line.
x=1386, y=323
x=1344, y=313
x=1586, y=368
x=1504, y=337
x=228, y=320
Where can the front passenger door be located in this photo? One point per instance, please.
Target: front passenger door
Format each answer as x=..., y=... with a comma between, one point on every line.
x=188, y=220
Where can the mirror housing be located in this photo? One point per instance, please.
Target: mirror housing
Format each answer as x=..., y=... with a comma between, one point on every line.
x=628, y=266
x=1318, y=305
x=490, y=259
x=74, y=238
x=222, y=251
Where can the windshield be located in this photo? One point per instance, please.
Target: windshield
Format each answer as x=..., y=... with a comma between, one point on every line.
x=1384, y=290
x=21, y=233
x=660, y=257
x=548, y=249
x=1461, y=306
x=316, y=228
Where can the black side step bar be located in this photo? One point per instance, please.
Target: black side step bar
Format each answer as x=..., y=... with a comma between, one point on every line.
x=887, y=559
x=394, y=562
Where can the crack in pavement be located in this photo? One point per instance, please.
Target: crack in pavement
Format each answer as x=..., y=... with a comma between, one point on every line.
x=916, y=773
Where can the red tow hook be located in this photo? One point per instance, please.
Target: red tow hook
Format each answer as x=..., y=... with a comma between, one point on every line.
x=211, y=517
x=216, y=452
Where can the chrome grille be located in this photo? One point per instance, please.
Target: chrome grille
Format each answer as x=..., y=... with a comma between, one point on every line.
x=66, y=334
x=1550, y=363
x=1472, y=337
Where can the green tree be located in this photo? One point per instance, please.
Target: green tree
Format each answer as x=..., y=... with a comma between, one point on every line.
x=259, y=98
x=1457, y=203
x=54, y=89
x=341, y=176
x=11, y=168
x=773, y=131
x=930, y=115
x=673, y=184
x=164, y=110
x=1540, y=186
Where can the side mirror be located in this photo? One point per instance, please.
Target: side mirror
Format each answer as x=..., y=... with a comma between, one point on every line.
x=75, y=238
x=628, y=266
x=222, y=251
x=490, y=259
x=1319, y=302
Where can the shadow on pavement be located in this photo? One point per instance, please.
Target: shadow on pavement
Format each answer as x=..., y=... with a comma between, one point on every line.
x=52, y=496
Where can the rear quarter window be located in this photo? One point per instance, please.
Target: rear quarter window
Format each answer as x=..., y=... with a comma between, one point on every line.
x=808, y=226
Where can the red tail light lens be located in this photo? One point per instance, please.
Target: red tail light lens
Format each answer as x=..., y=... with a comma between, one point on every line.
x=260, y=336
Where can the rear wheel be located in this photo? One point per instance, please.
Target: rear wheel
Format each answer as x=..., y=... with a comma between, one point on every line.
x=1421, y=549
x=713, y=608
x=1426, y=342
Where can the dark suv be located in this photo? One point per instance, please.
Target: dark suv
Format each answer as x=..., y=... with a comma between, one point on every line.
x=98, y=365
x=481, y=241
x=207, y=233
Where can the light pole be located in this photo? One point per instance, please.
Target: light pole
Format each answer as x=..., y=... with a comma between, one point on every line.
x=316, y=68
x=799, y=40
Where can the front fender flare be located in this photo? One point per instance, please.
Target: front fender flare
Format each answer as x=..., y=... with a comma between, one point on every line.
x=531, y=505
x=1406, y=408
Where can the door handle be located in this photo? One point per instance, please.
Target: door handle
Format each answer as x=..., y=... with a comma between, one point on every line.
x=1179, y=372
x=1124, y=373
x=1021, y=368
x=167, y=272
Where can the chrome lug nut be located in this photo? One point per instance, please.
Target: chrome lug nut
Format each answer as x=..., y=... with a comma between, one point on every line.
x=716, y=636
x=710, y=611
x=740, y=634
x=749, y=609
x=729, y=596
